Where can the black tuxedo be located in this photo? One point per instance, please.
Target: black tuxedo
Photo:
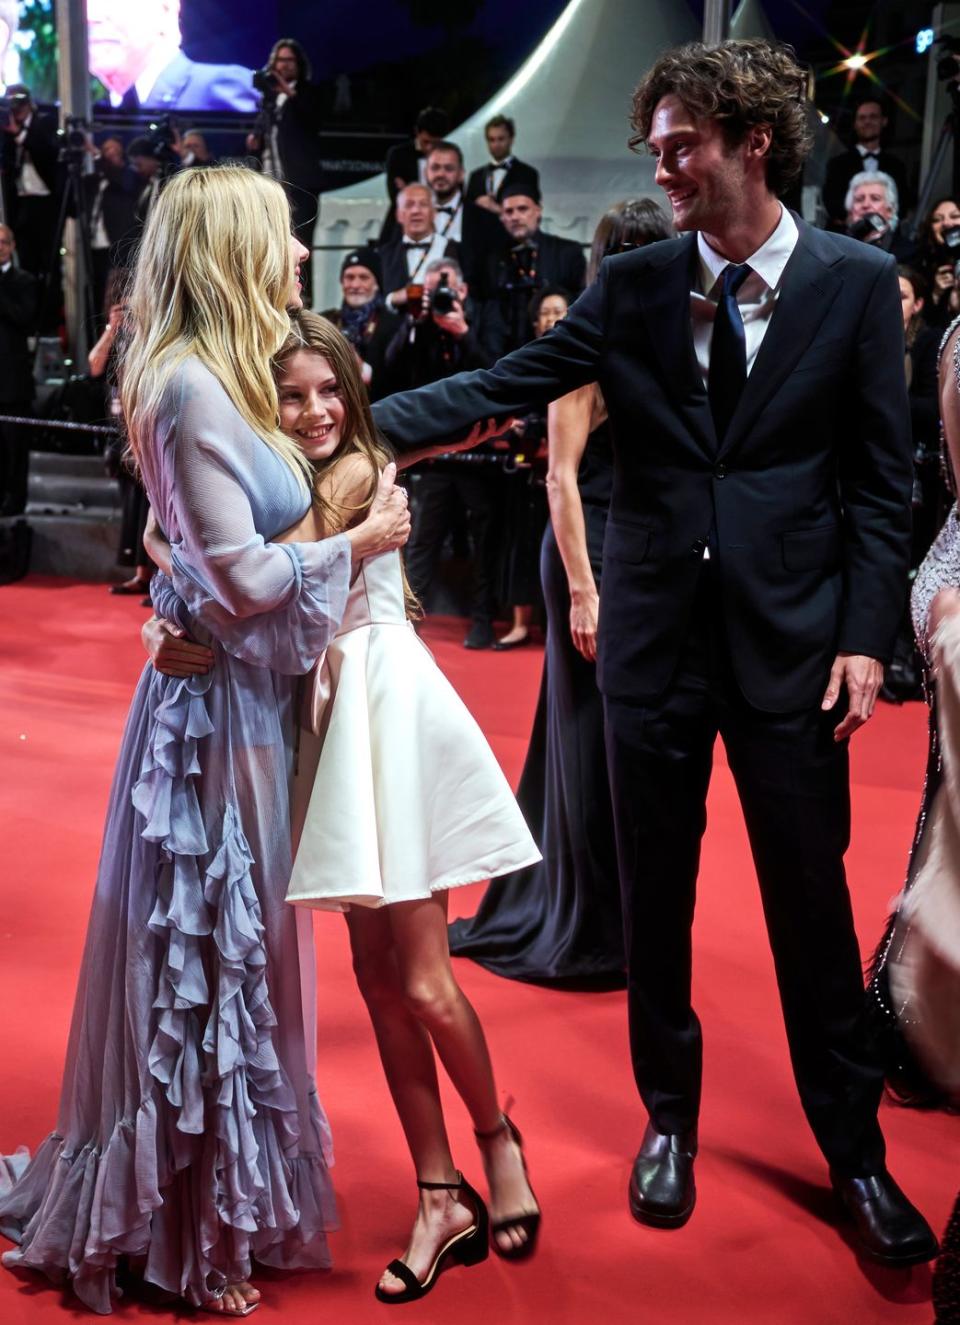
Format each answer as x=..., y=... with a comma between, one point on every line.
x=806, y=501
x=513, y=275
x=33, y=218
x=403, y=162
x=393, y=259
x=482, y=239
x=298, y=123
x=841, y=170
x=518, y=172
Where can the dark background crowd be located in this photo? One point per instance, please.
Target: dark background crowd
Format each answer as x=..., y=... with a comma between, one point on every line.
x=462, y=272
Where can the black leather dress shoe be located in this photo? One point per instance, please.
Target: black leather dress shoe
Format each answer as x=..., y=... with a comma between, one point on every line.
x=479, y=636
x=888, y=1228
x=662, y=1189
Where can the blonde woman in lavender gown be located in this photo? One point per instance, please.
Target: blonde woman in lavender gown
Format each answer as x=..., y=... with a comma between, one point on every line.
x=190, y=1140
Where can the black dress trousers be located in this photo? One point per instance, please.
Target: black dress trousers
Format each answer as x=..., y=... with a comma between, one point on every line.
x=792, y=780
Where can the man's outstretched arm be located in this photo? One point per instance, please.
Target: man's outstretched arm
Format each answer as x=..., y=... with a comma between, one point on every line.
x=443, y=412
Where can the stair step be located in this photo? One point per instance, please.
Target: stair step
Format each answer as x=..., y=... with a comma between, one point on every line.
x=88, y=492
x=81, y=546
x=76, y=466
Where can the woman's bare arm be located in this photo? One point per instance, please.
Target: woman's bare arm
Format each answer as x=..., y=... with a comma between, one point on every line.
x=570, y=421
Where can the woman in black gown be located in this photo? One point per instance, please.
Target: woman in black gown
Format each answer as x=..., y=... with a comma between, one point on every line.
x=560, y=920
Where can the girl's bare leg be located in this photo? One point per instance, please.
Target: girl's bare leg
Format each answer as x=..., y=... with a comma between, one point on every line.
x=432, y=995
x=410, y=1069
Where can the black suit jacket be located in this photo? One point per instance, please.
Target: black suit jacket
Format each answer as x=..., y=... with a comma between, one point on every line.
x=43, y=145
x=118, y=203
x=560, y=262
x=841, y=170
x=393, y=259
x=19, y=306
x=298, y=128
x=808, y=493
x=518, y=173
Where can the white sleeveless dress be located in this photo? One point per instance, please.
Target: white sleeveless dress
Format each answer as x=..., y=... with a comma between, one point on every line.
x=397, y=793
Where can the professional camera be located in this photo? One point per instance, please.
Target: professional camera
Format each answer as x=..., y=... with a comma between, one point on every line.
x=443, y=299
x=867, y=227
x=74, y=137
x=265, y=81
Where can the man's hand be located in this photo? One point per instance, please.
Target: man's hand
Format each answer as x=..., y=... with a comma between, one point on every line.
x=863, y=678
x=283, y=86
x=254, y=142
x=453, y=323
x=397, y=298
x=489, y=203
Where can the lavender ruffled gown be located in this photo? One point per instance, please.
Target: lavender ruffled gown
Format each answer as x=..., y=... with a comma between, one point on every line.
x=190, y=1138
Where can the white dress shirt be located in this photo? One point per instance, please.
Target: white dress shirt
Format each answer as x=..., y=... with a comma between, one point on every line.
x=757, y=296
x=29, y=182
x=497, y=174
x=450, y=223
x=869, y=156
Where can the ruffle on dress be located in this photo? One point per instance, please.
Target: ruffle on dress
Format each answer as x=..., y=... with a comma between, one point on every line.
x=212, y=1171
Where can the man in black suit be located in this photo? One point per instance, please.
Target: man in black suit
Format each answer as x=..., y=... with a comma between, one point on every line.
x=407, y=162
x=19, y=298
x=531, y=260
x=286, y=138
x=754, y=558
x=405, y=259
x=477, y=234
x=364, y=318
x=110, y=197
x=869, y=123
x=486, y=184
x=30, y=178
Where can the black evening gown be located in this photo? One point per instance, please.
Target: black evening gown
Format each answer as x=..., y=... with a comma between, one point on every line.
x=560, y=920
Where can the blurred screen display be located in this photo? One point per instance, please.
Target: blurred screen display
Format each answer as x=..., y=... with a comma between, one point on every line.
x=167, y=55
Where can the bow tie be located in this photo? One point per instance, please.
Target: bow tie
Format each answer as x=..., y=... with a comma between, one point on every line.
x=500, y=165
x=417, y=243
x=447, y=211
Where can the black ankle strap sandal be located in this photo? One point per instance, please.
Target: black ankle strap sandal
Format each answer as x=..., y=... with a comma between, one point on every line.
x=529, y=1223
x=468, y=1247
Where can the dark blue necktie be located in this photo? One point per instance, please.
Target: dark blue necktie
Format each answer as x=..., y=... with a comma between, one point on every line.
x=728, y=351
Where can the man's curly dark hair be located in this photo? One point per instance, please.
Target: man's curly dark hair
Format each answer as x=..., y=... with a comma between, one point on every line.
x=741, y=84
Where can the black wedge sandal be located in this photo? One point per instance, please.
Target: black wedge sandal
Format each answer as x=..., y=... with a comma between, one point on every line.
x=530, y=1223
x=468, y=1247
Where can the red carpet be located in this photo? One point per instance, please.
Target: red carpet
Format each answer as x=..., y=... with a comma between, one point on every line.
x=761, y=1246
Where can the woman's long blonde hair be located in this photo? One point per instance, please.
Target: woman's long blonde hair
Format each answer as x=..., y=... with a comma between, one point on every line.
x=212, y=279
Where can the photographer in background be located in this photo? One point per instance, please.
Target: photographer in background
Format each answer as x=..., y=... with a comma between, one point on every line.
x=435, y=341
x=19, y=299
x=866, y=154
x=486, y=184
x=872, y=205
x=364, y=318
x=144, y=155
x=287, y=137
x=110, y=198
x=532, y=260
x=406, y=258
x=938, y=255
x=31, y=195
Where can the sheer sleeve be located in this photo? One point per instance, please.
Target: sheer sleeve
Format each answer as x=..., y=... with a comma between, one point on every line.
x=275, y=605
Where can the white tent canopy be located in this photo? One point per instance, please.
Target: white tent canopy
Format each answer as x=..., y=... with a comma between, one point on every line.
x=571, y=103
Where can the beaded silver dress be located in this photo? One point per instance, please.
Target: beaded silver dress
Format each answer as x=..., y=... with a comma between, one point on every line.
x=916, y=979
x=940, y=568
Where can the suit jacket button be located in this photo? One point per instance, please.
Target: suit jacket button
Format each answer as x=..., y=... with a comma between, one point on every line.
x=720, y=471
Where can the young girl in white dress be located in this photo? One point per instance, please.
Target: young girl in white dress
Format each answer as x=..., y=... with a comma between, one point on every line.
x=397, y=799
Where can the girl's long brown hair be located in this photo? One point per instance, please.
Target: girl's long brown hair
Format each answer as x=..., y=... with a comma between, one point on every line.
x=316, y=335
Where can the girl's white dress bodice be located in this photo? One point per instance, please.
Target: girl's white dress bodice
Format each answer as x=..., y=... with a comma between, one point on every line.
x=397, y=793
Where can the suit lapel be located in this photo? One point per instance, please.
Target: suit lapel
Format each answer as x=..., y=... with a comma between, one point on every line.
x=171, y=82
x=665, y=302
x=810, y=286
